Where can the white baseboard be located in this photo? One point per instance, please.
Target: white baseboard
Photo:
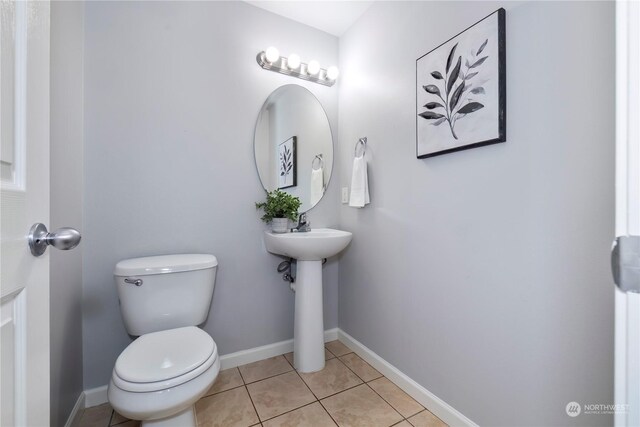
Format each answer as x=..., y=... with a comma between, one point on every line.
x=433, y=403
x=266, y=351
x=95, y=396
x=98, y=396
x=331, y=334
x=76, y=412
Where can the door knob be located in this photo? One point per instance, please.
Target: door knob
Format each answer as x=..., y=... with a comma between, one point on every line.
x=625, y=263
x=64, y=238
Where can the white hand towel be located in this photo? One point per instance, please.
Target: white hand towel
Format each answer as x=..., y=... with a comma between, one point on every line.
x=359, y=183
x=317, y=185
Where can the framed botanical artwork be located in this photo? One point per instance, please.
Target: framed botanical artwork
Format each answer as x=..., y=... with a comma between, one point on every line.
x=287, y=164
x=461, y=90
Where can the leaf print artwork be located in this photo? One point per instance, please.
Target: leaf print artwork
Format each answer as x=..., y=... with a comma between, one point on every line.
x=286, y=166
x=457, y=83
x=461, y=90
x=286, y=163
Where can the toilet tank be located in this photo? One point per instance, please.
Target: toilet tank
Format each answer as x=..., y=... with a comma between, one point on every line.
x=164, y=292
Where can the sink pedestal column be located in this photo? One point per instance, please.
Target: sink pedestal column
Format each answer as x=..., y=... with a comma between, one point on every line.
x=308, y=329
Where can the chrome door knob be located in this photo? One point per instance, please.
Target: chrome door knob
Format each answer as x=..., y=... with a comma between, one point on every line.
x=64, y=238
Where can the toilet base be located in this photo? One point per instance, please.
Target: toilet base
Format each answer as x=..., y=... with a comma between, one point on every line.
x=186, y=418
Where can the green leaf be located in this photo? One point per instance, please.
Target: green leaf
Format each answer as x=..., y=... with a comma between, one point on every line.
x=430, y=115
x=450, y=58
x=279, y=204
x=470, y=76
x=477, y=90
x=437, y=75
x=454, y=75
x=432, y=105
x=470, y=108
x=439, y=121
x=432, y=89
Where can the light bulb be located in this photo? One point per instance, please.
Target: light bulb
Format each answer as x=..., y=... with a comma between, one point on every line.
x=293, y=61
x=332, y=73
x=271, y=54
x=313, y=68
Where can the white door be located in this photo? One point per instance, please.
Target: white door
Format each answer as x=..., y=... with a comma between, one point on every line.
x=24, y=191
x=627, y=318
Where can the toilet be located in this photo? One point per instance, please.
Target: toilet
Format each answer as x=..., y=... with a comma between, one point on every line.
x=158, y=378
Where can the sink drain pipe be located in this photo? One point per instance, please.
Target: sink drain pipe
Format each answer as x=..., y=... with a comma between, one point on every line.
x=288, y=268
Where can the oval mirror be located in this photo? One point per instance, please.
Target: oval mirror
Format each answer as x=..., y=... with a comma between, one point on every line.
x=293, y=145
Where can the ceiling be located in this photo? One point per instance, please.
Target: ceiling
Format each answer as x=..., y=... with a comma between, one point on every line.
x=333, y=17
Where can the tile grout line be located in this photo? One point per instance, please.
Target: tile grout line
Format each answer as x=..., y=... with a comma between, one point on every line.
x=290, y=363
x=265, y=378
x=371, y=388
x=389, y=403
x=314, y=395
x=291, y=410
x=354, y=372
x=330, y=352
x=374, y=379
x=249, y=394
x=306, y=385
x=331, y=416
x=338, y=392
x=222, y=391
x=341, y=391
x=254, y=405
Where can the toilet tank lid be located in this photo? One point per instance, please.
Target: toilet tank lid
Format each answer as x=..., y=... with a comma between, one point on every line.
x=164, y=264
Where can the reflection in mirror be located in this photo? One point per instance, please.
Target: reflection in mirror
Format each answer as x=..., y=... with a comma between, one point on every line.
x=293, y=145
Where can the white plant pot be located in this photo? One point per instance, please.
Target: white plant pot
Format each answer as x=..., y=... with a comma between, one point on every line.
x=280, y=225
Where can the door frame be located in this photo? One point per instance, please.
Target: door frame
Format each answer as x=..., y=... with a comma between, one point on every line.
x=627, y=218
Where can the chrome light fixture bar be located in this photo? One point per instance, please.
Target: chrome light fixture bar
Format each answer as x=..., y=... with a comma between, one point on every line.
x=291, y=66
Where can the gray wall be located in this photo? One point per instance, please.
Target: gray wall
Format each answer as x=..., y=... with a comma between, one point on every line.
x=172, y=92
x=67, y=34
x=484, y=274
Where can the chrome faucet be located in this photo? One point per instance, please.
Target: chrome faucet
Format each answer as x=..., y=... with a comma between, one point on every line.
x=303, y=224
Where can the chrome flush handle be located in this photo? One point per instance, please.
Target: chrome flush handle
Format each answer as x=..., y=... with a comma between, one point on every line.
x=137, y=282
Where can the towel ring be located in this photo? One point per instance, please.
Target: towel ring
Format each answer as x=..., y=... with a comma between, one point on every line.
x=320, y=161
x=361, y=142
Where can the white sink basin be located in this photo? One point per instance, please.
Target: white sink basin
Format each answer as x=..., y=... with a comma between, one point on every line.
x=314, y=245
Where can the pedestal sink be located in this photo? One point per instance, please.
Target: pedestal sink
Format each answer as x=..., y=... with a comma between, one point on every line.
x=309, y=249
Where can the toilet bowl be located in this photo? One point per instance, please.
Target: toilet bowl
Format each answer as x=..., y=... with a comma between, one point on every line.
x=158, y=378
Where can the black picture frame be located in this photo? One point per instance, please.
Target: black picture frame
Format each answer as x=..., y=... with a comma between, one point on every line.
x=288, y=164
x=502, y=91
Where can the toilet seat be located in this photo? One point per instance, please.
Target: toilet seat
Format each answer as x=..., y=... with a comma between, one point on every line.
x=164, y=359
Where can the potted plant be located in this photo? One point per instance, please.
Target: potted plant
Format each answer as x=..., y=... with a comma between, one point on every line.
x=279, y=208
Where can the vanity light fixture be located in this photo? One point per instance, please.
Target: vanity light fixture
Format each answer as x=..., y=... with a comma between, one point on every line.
x=313, y=68
x=293, y=61
x=272, y=54
x=270, y=59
